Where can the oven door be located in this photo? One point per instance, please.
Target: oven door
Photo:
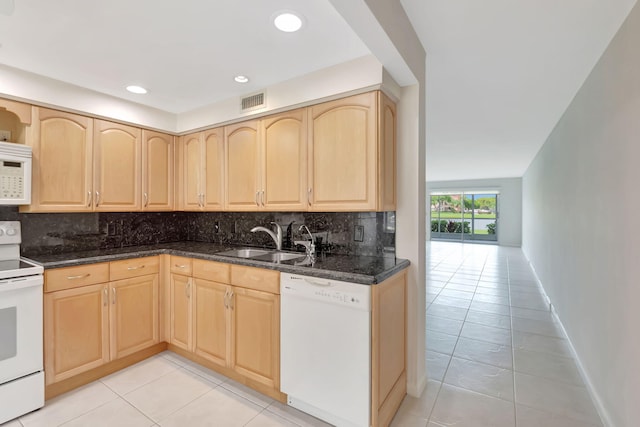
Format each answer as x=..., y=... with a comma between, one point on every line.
x=20, y=327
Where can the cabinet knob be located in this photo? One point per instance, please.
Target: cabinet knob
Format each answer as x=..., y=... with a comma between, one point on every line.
x=89, y=198
x=146, y=200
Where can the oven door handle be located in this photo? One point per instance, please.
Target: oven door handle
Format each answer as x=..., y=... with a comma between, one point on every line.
x=7, y=285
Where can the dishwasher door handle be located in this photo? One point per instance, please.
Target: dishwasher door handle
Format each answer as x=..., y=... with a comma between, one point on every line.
x=317, y=283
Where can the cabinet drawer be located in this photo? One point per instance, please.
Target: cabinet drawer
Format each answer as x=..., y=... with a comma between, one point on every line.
x=256, y=278
x=211, y=270
x=181, y=265
x=74, y=277
x=133, y=267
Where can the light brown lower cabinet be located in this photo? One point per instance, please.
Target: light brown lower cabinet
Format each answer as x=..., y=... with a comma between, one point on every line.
x=90, y=324
x=224, y=316
x=236, y=328
x=388, y=348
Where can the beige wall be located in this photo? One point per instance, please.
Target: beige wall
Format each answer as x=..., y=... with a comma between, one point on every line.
x=581, y=229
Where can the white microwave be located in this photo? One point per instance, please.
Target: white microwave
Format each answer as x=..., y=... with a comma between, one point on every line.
x=15, y=174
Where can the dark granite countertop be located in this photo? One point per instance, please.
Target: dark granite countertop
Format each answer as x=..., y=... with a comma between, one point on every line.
x=349, y=268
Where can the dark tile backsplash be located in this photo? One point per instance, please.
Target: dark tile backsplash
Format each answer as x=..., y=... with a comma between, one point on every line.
x=353, y=233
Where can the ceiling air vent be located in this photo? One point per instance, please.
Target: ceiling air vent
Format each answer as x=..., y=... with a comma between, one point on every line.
x=253, y=102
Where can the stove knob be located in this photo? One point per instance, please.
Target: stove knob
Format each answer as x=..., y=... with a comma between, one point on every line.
x=1, y=231
x=11, y=232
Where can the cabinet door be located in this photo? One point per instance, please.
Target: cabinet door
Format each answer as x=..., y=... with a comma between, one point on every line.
x=211, y=321
x=387, y=162
x=255, y=333
x=243, y=168
x=192, y=191
x=342, y=161
x=157, y=171
x=133, y=315
x=63, y=162
x=284, y=162
x=76, y=324
x=181, y=314
x=214, y=170
x=117, y=167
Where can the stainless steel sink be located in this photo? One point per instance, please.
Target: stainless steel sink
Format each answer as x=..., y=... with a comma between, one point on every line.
x=278, y=256
x=262, y=255
x=244, y=253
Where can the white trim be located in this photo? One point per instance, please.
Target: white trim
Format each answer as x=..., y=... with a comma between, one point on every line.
x=595, y=397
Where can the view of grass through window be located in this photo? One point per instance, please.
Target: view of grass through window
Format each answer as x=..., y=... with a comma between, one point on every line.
x=464, y=216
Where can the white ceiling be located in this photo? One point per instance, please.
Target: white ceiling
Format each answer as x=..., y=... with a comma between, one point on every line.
x=500, y=73
x=185, y=52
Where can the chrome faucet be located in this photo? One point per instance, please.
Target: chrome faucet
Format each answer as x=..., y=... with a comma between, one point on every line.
x=277, y=236
x=309, y=245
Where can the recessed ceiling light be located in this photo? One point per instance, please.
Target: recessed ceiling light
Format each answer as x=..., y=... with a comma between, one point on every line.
x=288, y=22
x=136, y=89
x=241, y=79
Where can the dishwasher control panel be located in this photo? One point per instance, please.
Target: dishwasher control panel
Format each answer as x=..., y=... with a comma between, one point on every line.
x=337, y=292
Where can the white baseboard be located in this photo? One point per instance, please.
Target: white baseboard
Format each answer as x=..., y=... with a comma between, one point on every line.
x=595, y=397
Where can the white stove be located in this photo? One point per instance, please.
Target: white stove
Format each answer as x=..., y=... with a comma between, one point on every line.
x=21, y=365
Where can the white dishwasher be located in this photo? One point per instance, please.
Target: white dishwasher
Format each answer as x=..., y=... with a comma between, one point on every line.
x=325, y=343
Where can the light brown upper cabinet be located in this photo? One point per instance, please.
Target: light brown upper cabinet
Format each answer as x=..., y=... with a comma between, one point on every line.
x=201, y=184
x=82, y=164
x=266, y=163
x=117, y=167
x=242, y=148
x=284, y=162
x=62, y=162
x=349, y=142
x=157, y=171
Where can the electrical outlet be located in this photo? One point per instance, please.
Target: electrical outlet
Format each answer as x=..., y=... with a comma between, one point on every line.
x=358, y=233
x=5, y=135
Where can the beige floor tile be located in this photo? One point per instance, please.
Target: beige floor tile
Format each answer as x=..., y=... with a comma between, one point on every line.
x=70, y=405
x=444, y=325
x=490, y=307
x=463, y=408
x=529, y=417
x=558, y=398
x=493, y=299
x=527, y=313
x=484, y=352
x=486, y=333
x=557, y=368
x=269, y=419
x=541, y=343
x=141, y=373
x=541, y=327
x=489, y=319
x=13, y=423
x=446, y=311
x=115, y=413
x=437, y=364
x=408, y=420
x=452, y=302
x=441, y=343
x=168, y=393
x=479, y=377
x=218, y=407
x=295, y=416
